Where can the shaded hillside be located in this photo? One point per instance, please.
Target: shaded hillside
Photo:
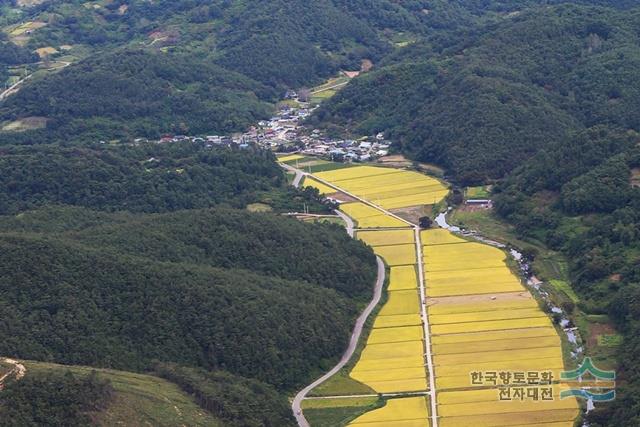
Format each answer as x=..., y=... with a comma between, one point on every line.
x=485, y=106
x=138, y=93
x=103, y=304
x=144, y=178
x=224, y=238
x=29, y=402
x=578, y=198
x=105, y=397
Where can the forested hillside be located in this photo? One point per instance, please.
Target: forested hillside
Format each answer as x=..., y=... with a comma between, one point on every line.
x=140, y=93
x=142, y=68
x=110, y=261
x=520, y=86
x=145, y=258
x=91, y=305
x=582, y=197
x=144, y=178
x=543, y=102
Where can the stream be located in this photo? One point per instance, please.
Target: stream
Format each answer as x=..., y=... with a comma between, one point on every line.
x=532, y=282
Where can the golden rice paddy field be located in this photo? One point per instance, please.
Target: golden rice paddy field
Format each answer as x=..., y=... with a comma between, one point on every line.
x=392, y=360
x=289, y=158
x=368, y=217
x=386, y=187
x=481, y=317
x=402, y=412
x=322, y=188
x=482, y=321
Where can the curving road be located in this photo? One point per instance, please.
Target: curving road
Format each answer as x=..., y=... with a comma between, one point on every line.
x=348, y=221
x=353, y=342
x=299, y=174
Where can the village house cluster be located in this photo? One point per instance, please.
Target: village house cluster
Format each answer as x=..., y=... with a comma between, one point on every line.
x=284, y=132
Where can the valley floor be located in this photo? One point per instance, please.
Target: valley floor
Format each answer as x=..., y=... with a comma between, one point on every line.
x=459, y=339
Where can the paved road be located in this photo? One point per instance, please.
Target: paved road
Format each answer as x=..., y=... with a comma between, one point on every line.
x=347, y=219
x=14, y=88
x=353, y=342
x=426, y=329
x=299, y=174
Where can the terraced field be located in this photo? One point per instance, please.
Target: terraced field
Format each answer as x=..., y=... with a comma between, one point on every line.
x=392, y=360
x=483, y=329
x=386, y=187
x=484, y=321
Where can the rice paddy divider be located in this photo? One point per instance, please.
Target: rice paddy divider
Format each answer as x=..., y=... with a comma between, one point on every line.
x=426, y=328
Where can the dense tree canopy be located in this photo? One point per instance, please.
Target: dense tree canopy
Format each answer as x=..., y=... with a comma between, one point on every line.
x=496, y=97
x=53, y=399
x=92, y=298
x=578, y=198
x=144, y=178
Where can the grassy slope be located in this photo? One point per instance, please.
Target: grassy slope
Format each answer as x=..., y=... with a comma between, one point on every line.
x=338, y=412
x=141, y=399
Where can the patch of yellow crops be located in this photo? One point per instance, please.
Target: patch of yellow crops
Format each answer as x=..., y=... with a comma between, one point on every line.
x=359, y=210
x=467, y=277
x=400, y=423
x=395, y=386
x=403, y=333
x=533, y=363
x=401, y=302
x=494, y=345
x=439, y=236
x=322, y=188
x=451, y=306
x=409, y=189
x=416, y=361
x=355, y=172
x=368, y=217
x=468, y=251
x=496, y=407
x=290, y=158
x=486, y=315
x=397, y=320
x=338, y=402
x=466, y=257
x=492, y=325
x=475, y=337
x=497, y=356
x=389, y=374
x=396, y=410
x=502, y=331
x=485, y=395
x=479, y=288
x=425, y=198
x=366, y=183
x=397, y=254
x=400, y=188
x=539, y=418
x=403, y=277
x=386, y=237
x=392, y=350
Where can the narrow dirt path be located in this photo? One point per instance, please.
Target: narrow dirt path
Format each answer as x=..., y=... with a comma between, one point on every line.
x=17, y=372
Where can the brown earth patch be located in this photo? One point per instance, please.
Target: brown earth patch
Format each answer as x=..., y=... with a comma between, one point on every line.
x=635, y=177
x=413, y=213
x=341, y=197
x=473, y=208
x=597, y=329
x=466, y=299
